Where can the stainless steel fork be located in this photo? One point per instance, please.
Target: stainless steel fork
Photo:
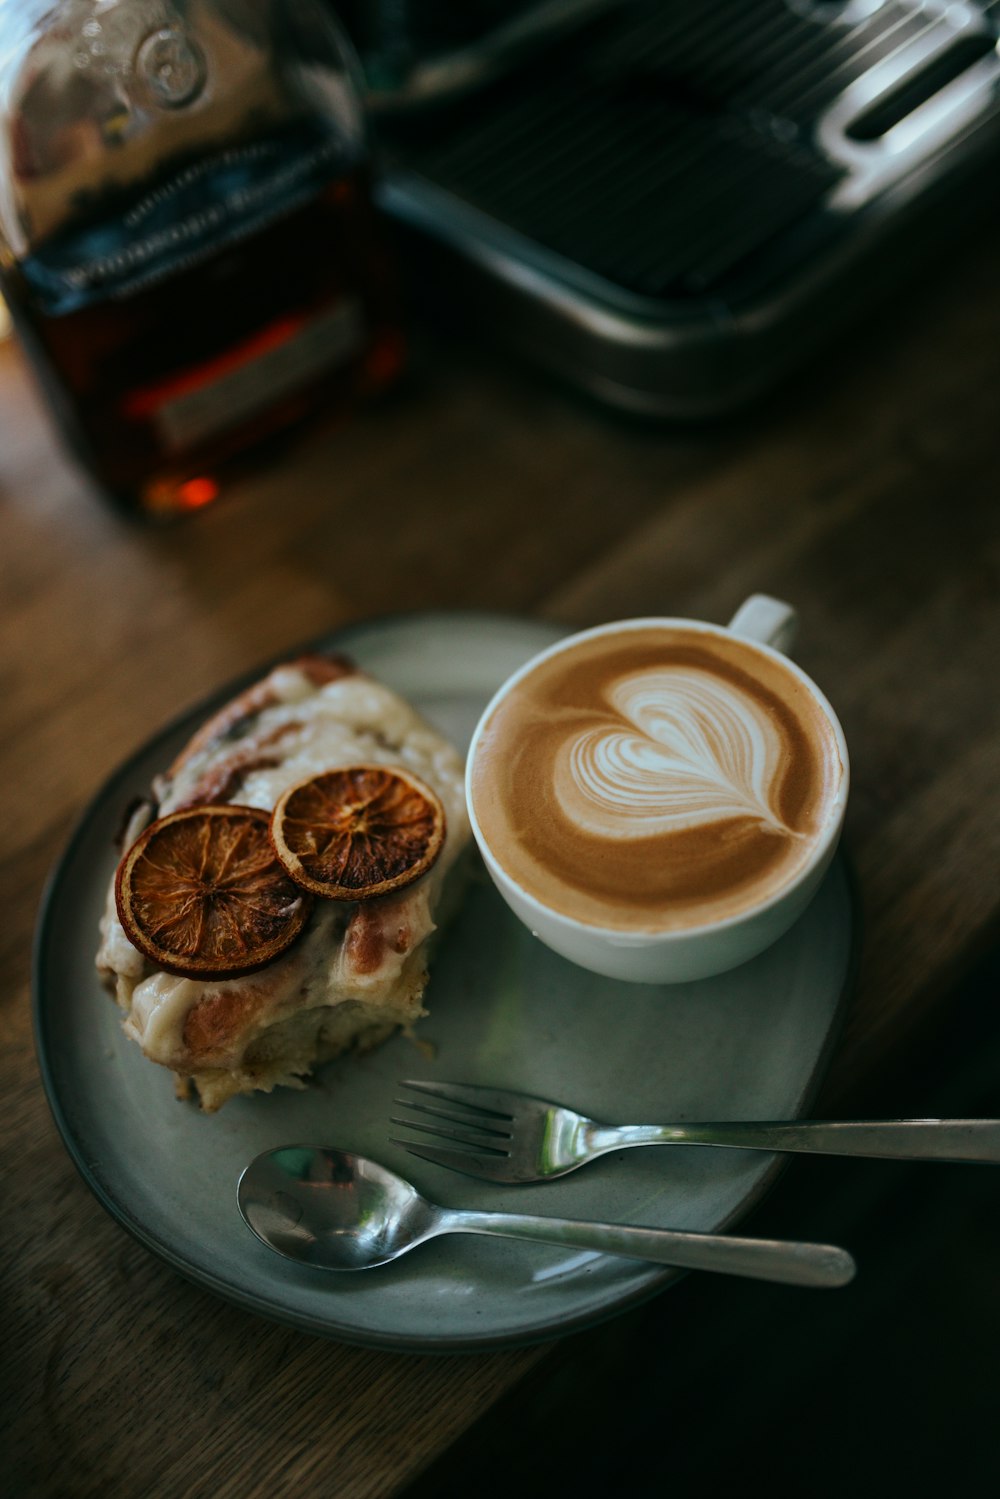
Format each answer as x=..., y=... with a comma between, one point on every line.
x=502, y=1136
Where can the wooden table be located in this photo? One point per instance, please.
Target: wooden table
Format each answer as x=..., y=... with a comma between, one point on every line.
x=867, y=495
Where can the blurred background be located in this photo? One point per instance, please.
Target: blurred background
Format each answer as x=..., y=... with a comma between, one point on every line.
x=712, y=283
x=673, y=205
x=672, y=208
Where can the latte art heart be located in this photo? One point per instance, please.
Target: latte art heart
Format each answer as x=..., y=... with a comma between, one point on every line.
x=656, y=778
x=688, y=750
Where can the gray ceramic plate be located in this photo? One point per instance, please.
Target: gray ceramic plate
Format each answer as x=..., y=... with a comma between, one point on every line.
x=503, y=1010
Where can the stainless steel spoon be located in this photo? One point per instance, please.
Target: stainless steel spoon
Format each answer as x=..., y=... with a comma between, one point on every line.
x=340, y=1211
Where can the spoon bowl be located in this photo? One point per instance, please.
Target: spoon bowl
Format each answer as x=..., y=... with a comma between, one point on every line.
x=332, y=1208
x=336, y=1210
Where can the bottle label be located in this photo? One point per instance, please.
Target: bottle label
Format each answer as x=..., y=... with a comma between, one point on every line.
x=181, y=218
x=247, y=379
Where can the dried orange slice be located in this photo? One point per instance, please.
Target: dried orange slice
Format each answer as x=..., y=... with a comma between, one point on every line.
x=359, y=832
x=201, y=894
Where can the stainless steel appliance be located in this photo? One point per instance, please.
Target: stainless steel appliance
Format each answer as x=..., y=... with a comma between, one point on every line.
x=673, y=204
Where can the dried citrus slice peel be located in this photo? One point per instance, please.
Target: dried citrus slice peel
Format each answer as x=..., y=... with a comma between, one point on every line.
x=358, y=832
x=201, y=894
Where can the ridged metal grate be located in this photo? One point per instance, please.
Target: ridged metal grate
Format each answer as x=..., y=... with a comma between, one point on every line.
x=669, y=143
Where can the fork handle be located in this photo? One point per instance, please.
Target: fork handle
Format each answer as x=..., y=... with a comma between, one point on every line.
x=892, y=1139
x=820, y=1265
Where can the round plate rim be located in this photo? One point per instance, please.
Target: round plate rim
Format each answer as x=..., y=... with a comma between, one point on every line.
x=547, y=1328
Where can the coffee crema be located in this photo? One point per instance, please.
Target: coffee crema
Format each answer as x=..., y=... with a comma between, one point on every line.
x=656, y=778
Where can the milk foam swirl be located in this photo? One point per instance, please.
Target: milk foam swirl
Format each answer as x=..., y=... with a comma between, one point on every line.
x=689, y=750
x=656, y=778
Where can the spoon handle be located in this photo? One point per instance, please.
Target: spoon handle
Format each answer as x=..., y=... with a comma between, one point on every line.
x=761, y=1259
x=889, y=1139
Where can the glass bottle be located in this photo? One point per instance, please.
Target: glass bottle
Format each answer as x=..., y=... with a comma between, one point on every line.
x=187, y=242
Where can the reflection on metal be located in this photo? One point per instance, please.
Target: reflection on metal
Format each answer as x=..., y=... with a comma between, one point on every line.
x=836, y=12
x=702, y=193
x=873, y=165
x=448, y=75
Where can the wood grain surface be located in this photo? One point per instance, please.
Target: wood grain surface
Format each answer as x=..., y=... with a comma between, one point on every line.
x=866, y=494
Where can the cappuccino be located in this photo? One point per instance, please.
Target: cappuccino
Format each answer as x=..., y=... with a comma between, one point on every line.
x=656, y=778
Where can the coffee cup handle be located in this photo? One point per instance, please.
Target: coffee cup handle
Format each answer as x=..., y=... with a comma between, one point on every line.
x=766, y=620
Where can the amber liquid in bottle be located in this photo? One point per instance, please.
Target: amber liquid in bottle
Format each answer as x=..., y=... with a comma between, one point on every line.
x=159, y=391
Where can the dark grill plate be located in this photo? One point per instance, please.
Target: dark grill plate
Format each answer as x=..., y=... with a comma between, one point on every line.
x=686, y=159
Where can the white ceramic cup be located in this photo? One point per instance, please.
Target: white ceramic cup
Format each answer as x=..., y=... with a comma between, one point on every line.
x=698, y=951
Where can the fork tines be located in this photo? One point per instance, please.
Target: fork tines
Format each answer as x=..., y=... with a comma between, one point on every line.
x=473, y=1118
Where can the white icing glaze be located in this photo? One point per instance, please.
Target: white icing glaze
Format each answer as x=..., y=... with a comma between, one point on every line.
x=160, y=1005
x=687, y=750
x=352, y=720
